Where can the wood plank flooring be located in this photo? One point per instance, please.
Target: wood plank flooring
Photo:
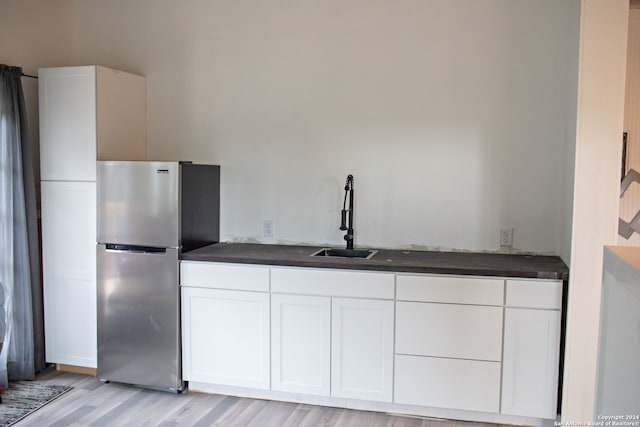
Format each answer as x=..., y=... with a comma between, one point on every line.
x=92, y=403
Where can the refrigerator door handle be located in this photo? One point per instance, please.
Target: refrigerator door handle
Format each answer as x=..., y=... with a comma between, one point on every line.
x=117, y=248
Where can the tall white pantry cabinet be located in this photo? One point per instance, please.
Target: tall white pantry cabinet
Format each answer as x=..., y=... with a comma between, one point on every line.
x=87, y=113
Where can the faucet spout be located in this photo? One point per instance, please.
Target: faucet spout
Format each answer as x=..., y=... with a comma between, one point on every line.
x=348, y=212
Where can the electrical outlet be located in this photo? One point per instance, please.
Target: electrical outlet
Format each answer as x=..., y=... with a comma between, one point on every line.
x=506, y=237
x=267, y=228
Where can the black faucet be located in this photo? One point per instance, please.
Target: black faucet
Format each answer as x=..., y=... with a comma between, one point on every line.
x=348, y=190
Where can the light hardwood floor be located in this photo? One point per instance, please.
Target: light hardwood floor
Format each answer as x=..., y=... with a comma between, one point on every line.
x=92, y=403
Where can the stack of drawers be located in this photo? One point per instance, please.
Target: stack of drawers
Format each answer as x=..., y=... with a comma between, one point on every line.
x=449, y=342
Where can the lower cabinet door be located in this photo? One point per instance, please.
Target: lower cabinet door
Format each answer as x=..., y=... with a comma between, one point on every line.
x=69, y=272
x=225, y=336
x=530, y=372
x=362, y=349
x=470, y=385
x=301, y=340
x=70, y=321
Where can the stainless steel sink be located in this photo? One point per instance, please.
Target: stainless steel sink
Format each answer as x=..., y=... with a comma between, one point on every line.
x=345, y=253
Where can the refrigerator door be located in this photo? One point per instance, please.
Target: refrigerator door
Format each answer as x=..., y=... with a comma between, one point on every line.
x=138, y=317
x=138, y=203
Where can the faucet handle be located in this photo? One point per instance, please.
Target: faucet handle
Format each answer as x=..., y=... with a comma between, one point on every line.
x=348, y=185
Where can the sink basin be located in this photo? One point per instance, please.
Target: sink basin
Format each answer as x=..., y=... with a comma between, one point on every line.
x=345, y=253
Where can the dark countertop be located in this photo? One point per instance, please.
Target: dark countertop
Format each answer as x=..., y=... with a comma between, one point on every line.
x=408, y=261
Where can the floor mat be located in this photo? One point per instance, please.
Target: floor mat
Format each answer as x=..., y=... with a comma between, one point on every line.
x=24, y=397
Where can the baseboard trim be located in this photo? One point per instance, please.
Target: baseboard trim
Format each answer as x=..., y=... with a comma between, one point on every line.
x=76, y=369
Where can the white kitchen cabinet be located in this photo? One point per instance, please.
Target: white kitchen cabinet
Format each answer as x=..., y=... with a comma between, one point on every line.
x=332, y=332
x=225, y=337
x=534, y=294
x=471, y=385
x=86, y=114
x=69, y=271
x=530, y=365
x=362, y=349
x=448, y=344
x=332, y=282
x=433, y=342
x=448, y=356
x=301, y=344
x=450, y=289
x=200, y=274
x=449, y=330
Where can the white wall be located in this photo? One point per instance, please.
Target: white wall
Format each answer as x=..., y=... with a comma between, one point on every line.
x=35, y=33
x=570, y=146
x=452, y=116
x=603, y=41
x=630, y=202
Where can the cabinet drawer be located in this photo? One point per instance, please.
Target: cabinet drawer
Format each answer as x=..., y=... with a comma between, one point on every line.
x=462, y=290
x=447, y=330
x=224, y=276
x=534, y=294
x=337, y=283
x=447, y=383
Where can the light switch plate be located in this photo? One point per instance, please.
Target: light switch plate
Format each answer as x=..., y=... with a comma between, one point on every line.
x=267, y=228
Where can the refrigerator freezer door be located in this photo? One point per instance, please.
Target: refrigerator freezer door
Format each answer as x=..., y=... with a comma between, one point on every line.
x=138, y=203
x=138, y=318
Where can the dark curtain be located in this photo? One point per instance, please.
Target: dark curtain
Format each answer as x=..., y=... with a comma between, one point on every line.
x=21, y=330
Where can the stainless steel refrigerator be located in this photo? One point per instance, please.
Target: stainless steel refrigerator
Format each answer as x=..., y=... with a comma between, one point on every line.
x=148, y=214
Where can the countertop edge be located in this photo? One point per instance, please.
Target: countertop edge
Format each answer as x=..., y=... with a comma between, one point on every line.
x=199, y=255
